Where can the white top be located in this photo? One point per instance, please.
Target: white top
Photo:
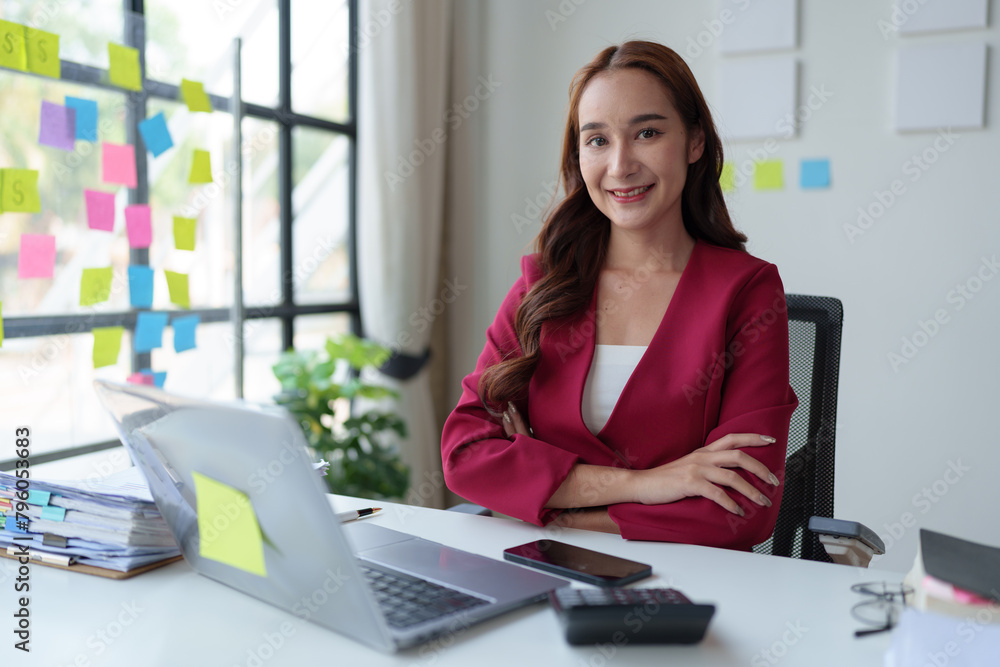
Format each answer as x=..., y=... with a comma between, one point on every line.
x=610, y=370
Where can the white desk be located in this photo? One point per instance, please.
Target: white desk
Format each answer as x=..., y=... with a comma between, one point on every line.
x=770, y=611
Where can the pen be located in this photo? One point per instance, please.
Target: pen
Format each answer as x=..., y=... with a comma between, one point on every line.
x=344, y=517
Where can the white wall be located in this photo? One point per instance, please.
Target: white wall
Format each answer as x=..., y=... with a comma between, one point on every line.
x=900, y=431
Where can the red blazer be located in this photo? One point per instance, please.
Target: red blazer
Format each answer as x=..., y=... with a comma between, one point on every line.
x=717, y=364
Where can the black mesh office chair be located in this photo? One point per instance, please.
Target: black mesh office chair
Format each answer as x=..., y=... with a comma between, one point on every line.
x=814, y=329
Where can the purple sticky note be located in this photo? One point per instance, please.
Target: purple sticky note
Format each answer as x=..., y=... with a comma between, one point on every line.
x=138, y=225
x=37, y=257
x=100, y=210
x=118, y=164
x=58, y=126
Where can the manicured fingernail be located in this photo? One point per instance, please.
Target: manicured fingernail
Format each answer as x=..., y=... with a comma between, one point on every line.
x=767, y=438
x=739, y=510
x=764, y=500
x=513, y=410
x=506, y=417
x=774, y=480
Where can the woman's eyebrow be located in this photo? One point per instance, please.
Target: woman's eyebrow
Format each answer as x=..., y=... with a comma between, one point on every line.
x=641, y=118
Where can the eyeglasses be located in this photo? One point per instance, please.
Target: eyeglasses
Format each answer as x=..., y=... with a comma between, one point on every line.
x=881, y=609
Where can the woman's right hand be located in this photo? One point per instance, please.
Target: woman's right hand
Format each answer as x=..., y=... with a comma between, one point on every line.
x=705, y=471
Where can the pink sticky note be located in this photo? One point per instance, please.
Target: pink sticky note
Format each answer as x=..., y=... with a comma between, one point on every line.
x=37, y=257
x=140, y=378
x=100, y=210
x=138, y=226
x=118, y=163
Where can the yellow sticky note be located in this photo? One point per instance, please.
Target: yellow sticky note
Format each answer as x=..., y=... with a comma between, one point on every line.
x=177, y=284
x=20, y=191
x=13, y=53
x=727, y=180
x=123, y=64
x=184, y=232
x=228, y=531
x=201, y=167
x=107, y=344
x=43, y=52
x=769, y=175
x=194, y=96
x=95, y=286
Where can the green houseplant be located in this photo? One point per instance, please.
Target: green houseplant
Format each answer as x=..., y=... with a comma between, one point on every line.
x=318, y=388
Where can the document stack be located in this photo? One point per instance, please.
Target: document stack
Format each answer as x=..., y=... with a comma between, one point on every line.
x=110, y=523
x=955, y=617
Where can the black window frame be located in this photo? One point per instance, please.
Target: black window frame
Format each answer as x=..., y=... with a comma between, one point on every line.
x=284, y=115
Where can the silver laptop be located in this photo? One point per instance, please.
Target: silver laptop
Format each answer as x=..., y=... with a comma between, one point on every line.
x=385, y=588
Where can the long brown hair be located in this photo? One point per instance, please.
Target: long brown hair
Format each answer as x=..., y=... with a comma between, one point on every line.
x=574, y=237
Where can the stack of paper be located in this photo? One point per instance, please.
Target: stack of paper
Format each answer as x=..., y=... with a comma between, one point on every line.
x=110, y=523
x=955, y=618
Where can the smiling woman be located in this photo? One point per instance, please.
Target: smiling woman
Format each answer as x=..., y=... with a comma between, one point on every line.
x=581, y=409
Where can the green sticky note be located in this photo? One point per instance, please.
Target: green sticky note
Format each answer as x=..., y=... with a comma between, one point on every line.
x=123, y=64
x=107, y=344
x=20, y=191
x=201, y=167
x=727, y=180
x=13, y=53
x=228, y=531
x=177, y=285
x=769, y=175
x=184, y=233
x=95, y=286
x=194, y=96
x=43, y=52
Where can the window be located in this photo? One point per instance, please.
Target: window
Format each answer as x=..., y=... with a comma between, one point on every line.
x=296, y=156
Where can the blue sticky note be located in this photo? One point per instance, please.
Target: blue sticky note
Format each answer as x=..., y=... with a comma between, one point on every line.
x=38, y=497
x=149, y=331
x=155, y=134
x=86, y=118
x=184, y=328
x=140, y=286
x=11, y=524
x=159, y=377
x=815, y=173
x=53, y=513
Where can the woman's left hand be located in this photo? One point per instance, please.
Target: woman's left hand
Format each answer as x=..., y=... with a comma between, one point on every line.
x=514, y=424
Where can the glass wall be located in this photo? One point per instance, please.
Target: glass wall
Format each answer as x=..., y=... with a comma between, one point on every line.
x=297, y=156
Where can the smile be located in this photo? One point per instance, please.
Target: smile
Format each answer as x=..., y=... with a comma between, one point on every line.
x=630, y=194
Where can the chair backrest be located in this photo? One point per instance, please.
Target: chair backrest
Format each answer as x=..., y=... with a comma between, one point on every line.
x=814, y=328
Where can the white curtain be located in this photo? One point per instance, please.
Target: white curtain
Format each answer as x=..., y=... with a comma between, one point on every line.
x=404, y=66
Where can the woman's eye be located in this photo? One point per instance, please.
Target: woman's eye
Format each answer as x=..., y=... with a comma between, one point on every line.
x=648, y=133
x=597, y=141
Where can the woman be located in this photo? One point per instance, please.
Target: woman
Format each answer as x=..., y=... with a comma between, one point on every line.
x=635, y=379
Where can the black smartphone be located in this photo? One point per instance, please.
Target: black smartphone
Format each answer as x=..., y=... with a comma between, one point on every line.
x=573, y=562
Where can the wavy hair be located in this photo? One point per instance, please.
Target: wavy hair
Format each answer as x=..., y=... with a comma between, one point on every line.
x=574, y=237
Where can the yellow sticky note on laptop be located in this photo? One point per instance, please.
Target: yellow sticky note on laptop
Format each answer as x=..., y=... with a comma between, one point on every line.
x=228, y=531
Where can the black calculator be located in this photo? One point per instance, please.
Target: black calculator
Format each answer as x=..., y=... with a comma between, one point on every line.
x=630, y=615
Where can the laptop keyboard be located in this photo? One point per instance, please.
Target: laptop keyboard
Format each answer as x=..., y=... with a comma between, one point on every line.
x=407, y=601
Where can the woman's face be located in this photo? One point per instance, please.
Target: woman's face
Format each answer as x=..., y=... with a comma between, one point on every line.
x=634, y=149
